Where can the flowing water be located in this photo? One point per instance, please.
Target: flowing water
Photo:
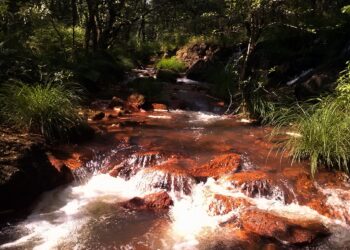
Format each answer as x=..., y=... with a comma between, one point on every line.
x=87, y=214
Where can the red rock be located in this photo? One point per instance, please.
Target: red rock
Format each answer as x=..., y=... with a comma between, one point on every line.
x=73, y=162
x=173, y=176
x=225, y=204
x=157, y=201
x=282, y=229
x=261, y=184
x=219, y=166
x=135, y=163
x=244, y=177
x=134, y=102
x=160, y=107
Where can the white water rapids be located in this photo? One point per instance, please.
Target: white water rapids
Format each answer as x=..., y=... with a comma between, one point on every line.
x=60, y=217
x=86, y=215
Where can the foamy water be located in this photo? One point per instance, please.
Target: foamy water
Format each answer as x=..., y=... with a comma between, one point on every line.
x=70, y=218
x=61, y=214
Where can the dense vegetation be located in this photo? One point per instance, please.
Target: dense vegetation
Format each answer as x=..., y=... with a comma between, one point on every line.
x=256, y=47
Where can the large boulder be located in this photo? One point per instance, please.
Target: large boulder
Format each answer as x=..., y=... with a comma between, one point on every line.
x=198, y=70
x=191, y=53
x=25, y=170
x=284, y=230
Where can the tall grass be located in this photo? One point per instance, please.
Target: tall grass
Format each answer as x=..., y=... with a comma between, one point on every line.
x=324, y=131
x=172, y=63
x=50, y=109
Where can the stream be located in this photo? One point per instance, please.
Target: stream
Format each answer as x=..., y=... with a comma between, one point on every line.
x=157, y=152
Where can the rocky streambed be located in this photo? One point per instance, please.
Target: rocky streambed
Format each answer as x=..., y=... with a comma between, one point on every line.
x=184, y=180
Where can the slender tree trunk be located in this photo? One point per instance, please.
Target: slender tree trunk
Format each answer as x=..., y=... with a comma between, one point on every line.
x=74, y=23
x=91, y=34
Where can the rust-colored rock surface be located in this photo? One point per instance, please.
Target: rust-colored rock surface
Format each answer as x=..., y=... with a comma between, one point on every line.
x=134, y=102
x=284, y=230
x=219, y=166
x=225, y=204
x=172, y=176
x=159, y=107
x=157, y=201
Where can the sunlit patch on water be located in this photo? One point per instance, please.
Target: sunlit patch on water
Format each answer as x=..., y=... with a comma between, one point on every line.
x=164, y=117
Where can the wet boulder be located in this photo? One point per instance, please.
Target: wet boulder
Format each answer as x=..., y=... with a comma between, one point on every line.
x=222, y=204
x=138, y=161
x=169, y=176
x=261, y=184
x=218, y=167
x=199, y=70
x=156, y=201
x=134, y=102
x=25, y=170
x=286, y=231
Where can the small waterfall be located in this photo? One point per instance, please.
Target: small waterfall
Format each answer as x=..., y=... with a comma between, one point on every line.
x=176, y=184
x=197, y=213
x=137, y=162
x=297, y=78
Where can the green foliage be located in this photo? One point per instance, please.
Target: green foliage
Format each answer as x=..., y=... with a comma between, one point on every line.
x=149, y=87
x=324, y=135
x=99, y=69
x=53, y=43
x=171, y=64
x=322, y=130
x=346, y=9
x=343, y=88
x=49, y=109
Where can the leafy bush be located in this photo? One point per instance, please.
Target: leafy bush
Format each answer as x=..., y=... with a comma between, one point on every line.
x=48, y=109
x=53, y=45
x=171, y=64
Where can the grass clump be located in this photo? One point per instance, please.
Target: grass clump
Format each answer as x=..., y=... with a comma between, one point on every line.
x=172, y=63
x=322, y=130
x=324, y=136
x=50, y=109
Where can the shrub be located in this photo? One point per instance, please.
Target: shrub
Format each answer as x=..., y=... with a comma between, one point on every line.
x=171, y=64
x=48, y=109
x=53, y=45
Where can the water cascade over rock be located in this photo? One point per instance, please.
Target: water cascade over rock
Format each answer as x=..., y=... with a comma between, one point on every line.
x=166, y=187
